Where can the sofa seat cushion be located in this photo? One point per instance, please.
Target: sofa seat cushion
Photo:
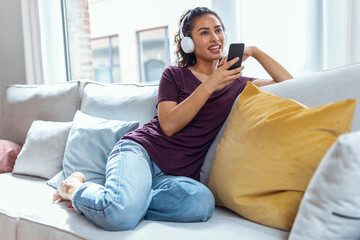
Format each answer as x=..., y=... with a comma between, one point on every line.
x=42, y=219
x=8, y=225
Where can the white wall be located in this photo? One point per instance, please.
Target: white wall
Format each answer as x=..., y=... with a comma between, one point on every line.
x=12, y=60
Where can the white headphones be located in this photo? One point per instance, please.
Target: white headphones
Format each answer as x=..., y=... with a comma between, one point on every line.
x=186, y=43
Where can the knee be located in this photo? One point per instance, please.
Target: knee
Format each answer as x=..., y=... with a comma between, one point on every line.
x=200, y=201
x=115, y=217
x=120, y=219
x=115, y=224
x=206, y=204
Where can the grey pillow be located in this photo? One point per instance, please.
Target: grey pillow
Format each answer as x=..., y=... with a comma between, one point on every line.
x=90, y=141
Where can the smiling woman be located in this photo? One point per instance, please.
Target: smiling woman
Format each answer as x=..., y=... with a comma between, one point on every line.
x=157, y=166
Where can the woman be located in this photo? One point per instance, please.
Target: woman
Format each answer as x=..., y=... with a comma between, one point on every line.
x=152, y=172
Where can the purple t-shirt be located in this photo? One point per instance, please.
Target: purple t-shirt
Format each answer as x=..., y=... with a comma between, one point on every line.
x=184, y=152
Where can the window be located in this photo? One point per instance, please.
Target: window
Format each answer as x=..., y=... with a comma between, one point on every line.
x=302, y=35
x=105, y=53
x=153, y=53
x=113, y=41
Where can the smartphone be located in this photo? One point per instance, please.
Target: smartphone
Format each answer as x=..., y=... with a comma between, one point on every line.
x=236, y=50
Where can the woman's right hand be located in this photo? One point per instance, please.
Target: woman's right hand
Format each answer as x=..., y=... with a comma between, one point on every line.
x=222, y=77
x=173, y=116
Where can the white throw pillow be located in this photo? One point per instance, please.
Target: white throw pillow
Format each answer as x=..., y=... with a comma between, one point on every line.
x=89, y=144
x=330, y=208
x=127, y=102
x=43, y=151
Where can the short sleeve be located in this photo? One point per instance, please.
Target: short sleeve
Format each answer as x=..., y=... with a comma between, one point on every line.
x=249, y=78
x=168, y=90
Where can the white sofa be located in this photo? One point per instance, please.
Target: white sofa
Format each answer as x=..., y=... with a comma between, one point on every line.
x=26, y=208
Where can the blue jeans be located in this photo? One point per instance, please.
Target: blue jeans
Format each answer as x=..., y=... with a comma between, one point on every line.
x=135, y=188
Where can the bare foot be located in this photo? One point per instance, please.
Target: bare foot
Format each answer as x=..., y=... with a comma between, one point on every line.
x=69, y=186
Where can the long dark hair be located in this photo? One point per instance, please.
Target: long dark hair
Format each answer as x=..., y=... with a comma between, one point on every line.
x=184, y=59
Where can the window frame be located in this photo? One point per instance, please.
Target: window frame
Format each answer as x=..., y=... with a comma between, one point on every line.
x=140, y=50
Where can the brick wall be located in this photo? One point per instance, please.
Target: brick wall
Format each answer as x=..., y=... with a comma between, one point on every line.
x=79, y=39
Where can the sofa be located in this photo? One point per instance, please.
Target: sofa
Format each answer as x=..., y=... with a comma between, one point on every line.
x=26, y=207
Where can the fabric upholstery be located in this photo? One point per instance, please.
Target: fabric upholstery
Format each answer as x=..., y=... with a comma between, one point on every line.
x=330, y=208
x=89, y=144
x=269, y=151
x=42, y=219
x=120, y=102
x=312, y=90
x=8, y=154
x=25, y=103
x=37, y=160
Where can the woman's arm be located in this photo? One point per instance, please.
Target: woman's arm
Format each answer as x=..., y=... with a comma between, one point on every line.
x=277, y=72
x=173, y=117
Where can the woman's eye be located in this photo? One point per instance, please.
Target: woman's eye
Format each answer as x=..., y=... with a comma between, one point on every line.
x=204, y=33
x=219, y=30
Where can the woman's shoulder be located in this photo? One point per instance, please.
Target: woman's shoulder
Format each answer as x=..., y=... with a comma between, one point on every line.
x=174, y=69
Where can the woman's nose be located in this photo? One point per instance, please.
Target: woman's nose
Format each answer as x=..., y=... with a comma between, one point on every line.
x=214, y=37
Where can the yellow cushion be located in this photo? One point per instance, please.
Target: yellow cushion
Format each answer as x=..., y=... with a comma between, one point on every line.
x=269, y=151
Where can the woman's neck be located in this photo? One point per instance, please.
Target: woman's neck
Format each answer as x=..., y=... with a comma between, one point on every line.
x=203, y=69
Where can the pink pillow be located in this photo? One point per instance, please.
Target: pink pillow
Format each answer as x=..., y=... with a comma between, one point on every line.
x=8, y=154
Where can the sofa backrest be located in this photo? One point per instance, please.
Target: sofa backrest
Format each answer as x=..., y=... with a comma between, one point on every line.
x=127, y=102
x=22, y=104
x=324, y=87
x=59, y=102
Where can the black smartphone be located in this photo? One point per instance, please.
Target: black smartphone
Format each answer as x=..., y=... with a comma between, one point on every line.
x=236, y=50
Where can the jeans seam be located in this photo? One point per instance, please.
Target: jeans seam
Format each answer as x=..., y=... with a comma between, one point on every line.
x=120, y=179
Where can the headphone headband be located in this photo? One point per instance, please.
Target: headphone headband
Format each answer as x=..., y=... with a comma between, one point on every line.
x=182, y=25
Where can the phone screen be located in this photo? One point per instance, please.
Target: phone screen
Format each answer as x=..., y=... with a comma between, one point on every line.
x=236, y=50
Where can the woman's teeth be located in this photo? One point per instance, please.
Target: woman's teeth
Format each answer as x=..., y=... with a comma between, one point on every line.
x=213, y=48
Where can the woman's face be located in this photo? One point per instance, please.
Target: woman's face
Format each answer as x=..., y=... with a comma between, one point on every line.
x=208, y=37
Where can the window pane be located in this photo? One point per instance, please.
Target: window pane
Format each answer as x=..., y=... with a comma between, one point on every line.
x=101, y=52
x=115, y=49
x=153, y=53
x=105, y=59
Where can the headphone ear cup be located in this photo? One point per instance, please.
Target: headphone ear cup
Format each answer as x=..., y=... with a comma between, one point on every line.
x=187, y=45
